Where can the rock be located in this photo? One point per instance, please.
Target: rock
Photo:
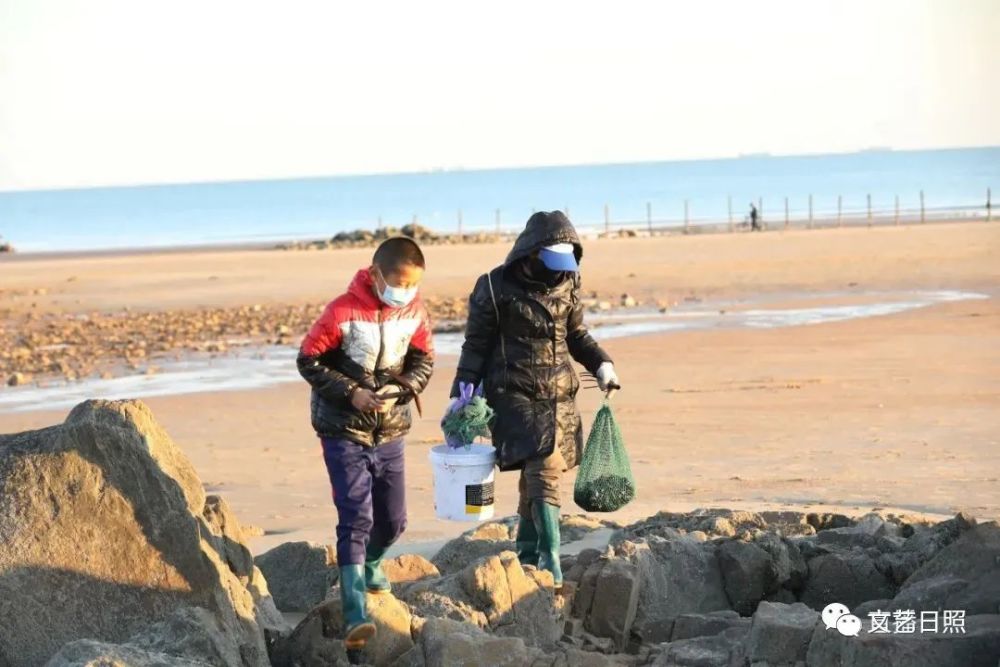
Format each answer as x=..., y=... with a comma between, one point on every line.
x=226, y=535
x=447, y=642
x=299, y=574
x=90, y=653
x=628, y=301
x=613, y=603
x=921, y=546
x=722, y=650
x=408, y=568
x=18, y=379
x=790, y=567
x=849, y=579
x=578, y=526
x=978, y=646
x=780, y=633
x=317, y=640
x=514, y=603
x=488, y=539
x=678, y=577
x=963, y=575
x=749, y=574
x=493, y=593
x=102, y=524
x=688, y=626
x=190, y=634
x=828, y=521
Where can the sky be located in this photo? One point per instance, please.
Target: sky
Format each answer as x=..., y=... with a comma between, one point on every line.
x=116, y=92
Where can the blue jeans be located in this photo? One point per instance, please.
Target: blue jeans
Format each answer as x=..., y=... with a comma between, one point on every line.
x=369, y=491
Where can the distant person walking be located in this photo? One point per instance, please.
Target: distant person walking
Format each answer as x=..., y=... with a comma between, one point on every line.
x=754, y=218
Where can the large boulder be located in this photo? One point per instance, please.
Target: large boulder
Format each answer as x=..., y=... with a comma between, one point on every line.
x=317, y=640
x=749, y=574
x=447, y=642
x=409, y=568
x=90, y=653
x=608, y=599
x=299, y=574
x=964, y=575
x=923, y=543
x=688, y=626
x=494, y=593
x=978, y=646
x=488, y=539
x=103, y=532
x=679, y=576
x=725, y=649
x=780, y=633
x=848, y=578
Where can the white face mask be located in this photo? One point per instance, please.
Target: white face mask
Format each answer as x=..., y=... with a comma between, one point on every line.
x=396, y=297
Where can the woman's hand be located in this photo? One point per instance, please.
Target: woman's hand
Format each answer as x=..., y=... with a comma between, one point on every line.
x=607, y=379
x=366, y=400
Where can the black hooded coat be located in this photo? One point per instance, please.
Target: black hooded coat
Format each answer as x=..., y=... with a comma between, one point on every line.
x=519, y=341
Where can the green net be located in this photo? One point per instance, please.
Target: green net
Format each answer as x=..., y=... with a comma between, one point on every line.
x=464, y=425
x=604, y=482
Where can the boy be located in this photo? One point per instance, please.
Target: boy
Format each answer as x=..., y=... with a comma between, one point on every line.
x=366, y=357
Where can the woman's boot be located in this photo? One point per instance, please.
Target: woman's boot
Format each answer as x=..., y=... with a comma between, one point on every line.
x=546, y=520
x=358, y=628
x=527, y=542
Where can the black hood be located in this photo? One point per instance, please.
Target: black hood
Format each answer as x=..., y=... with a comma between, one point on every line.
x=545, y=228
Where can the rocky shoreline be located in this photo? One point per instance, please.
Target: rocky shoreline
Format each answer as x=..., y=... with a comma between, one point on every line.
x=40, y=348
x=114, y=554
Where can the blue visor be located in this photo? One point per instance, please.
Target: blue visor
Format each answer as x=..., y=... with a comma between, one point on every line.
x=559, y=261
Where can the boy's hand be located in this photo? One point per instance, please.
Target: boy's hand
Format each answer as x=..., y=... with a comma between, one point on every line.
x=387, y=403
x=366, y=400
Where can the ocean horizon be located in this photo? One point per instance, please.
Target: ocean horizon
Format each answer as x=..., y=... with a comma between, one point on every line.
x=671, y=193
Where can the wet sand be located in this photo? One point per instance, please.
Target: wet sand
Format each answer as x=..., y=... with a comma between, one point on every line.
x=900, y=411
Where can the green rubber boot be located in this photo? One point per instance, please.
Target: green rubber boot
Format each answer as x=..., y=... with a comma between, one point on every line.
x=375, y=579
x=546, y=519
x=358, y=629
x=527, y=542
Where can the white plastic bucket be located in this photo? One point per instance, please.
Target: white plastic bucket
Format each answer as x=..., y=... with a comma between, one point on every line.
x=463, y=482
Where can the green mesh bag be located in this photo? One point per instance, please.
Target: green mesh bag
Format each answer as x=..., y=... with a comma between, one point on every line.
x=604, y=482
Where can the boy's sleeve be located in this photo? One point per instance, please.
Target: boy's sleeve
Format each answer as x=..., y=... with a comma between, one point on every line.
x=324, y=335
x=418, y=365
x=582, y=345
x=480, y=337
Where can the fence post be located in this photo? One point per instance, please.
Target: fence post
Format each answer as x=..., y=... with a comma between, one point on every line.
x=607, y=219
x=810, y=211
x=729, y=202
x=869, y=210
x=498, y=222
x=840, y=208
x=922, y=215
x=649, y=217
x=687, y=221
x=895, y=220
x=989, y=205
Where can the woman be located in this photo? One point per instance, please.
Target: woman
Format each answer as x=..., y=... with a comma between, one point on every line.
x=525, y=322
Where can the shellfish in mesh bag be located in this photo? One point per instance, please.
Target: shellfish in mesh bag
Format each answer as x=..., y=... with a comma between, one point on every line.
x=604, y=482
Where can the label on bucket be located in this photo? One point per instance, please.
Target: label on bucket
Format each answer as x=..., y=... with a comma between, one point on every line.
x=478, y=497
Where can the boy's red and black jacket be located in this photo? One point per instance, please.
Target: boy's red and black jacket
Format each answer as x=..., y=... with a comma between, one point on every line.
x=360, y=342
